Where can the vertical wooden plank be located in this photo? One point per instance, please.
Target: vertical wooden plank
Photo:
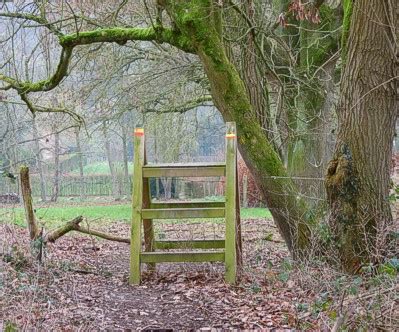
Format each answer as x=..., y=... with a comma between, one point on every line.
x=137, y=202
x=147, y=223
x=231, y=185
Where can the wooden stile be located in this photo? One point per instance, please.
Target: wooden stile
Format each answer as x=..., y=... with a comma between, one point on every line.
x=144, y=211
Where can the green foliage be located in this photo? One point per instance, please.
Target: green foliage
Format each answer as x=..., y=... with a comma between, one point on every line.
x=268, y=237
x=286, y=269
x=324, y=232
x=390, y=268
x=10, y=327
x=395, y=195
x=255, y=288
x=322, y=303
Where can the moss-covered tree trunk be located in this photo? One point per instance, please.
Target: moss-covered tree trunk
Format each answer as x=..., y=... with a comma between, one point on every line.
x=198, y=20
x=358, y=178
x=311, y=110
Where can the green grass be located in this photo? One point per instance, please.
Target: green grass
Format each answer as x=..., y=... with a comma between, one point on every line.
x=55, y=216
x=100, y=168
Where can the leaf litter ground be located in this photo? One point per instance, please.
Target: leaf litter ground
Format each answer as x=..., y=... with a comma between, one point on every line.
x=83, y=285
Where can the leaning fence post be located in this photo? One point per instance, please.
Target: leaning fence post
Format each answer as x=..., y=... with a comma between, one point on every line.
x=27, y=199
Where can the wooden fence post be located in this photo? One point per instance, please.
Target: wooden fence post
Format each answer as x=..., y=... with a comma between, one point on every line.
x=137, y=203
x=231, y=199
x=28, y=205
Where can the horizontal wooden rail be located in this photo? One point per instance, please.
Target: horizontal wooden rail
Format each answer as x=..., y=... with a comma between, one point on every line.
x=186, y=204
x=183, y=213
x=184, y=170
x=189, y=244
x=180, y=257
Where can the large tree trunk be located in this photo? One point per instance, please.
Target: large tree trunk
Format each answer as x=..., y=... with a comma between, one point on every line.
x=358, y=178
x=253, y=78
x=310, y=106
x=201, y=26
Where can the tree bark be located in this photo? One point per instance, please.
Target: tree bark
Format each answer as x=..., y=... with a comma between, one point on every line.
x=358, y=177
x=254, y=80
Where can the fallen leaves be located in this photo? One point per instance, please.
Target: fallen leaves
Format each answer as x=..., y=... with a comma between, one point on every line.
x=59, y=296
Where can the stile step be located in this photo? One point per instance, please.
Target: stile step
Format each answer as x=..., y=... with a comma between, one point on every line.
x=180, y=257
x=186, y=204
x=182, y=213
x=184, y=170
x=189, y=244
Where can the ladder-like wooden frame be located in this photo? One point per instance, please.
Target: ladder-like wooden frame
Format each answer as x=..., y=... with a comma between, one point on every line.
x=144, y=211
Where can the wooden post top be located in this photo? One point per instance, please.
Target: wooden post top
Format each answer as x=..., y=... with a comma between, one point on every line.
x=138, y=131
x=231, y=130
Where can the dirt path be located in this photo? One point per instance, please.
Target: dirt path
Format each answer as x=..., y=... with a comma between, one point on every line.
x=83, y=286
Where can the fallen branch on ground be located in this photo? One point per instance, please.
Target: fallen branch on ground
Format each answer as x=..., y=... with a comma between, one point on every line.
x=73, y=225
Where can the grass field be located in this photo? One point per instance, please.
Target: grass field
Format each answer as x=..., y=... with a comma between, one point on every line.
x=100, y=168
x=56, y=215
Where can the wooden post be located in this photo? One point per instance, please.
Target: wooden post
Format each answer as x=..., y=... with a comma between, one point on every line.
x=230, y=214
x=27, y=199
x=34, y=234
x=137, y=203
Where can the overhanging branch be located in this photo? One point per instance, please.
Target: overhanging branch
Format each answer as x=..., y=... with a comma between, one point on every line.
x=157, y=34
x=123, y=35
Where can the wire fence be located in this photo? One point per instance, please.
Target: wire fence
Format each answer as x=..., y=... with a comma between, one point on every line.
x=120, y=187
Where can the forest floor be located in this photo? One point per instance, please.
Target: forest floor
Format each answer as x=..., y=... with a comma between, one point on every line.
x=83, y=285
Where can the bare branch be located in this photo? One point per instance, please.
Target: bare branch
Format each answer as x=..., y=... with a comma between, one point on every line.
x=30, y=17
